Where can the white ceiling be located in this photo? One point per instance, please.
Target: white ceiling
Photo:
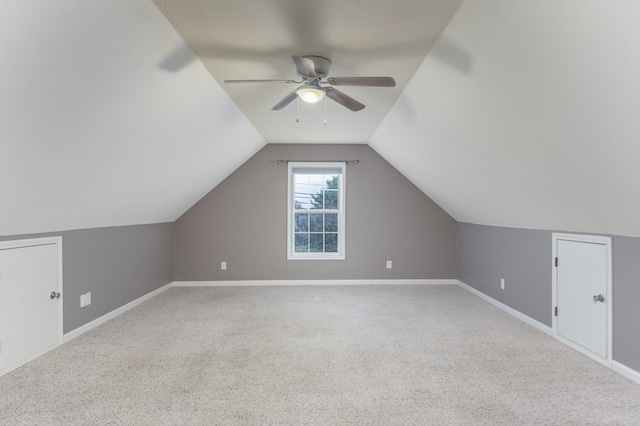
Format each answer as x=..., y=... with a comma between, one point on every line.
x=248, y=39
x=522, y=114
x=92, y=132
x=541, y=131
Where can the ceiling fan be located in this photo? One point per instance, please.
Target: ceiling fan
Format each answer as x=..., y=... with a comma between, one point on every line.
x=313, y=87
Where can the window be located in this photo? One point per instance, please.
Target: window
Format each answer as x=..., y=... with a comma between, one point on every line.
x=315, y=226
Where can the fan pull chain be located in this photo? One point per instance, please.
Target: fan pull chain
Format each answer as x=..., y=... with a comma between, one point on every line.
x=297, y=110
x=325, y=110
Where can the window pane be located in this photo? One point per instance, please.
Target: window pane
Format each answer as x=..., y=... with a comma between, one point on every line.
x=301, y=179
x=315, y=243
x=316, y=224
x=301, y=201
x=331, y=243
x=323, y=193
x=301, y=191
x=302, y=222
x=317, y=181
x=331, y=181
x=331, y=199
x=302, y=243
x=331, y=222
x=316, y=201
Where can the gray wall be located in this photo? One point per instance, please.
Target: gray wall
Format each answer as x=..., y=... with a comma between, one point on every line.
x=117, y=265
x=626, y=301
x=243, y=222
x=523, y=258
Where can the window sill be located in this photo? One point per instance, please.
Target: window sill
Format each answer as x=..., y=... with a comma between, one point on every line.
x=314, y=256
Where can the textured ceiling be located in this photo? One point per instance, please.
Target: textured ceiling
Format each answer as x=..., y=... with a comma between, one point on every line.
x=248, y=39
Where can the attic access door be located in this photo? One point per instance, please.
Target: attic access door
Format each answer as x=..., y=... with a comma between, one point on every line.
x=582, y=294
x=30, y=300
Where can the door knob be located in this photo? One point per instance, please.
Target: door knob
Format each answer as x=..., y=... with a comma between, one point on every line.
x=598, y=298
x=54, y=295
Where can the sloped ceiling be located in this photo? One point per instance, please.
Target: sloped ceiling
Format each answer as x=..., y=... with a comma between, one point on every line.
x=93, y=132
x=539, y=125
x=523, y=113
x=249, y=39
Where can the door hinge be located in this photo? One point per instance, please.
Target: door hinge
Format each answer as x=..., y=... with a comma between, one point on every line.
x=556, y=262
x=556, y=311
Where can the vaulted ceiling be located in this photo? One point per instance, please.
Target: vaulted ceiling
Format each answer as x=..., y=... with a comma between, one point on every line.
x=507, y=112
x=538, y=128
x=248, y=39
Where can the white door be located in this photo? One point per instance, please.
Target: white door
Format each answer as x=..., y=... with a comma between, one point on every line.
x=582, y=295
x=30, y=315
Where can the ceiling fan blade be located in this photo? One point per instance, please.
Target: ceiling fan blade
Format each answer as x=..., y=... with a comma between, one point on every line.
x=178, y=58
x=286, y=101
x=362, y=81
x=305, y=67
x=262, y=81
x=343, y=99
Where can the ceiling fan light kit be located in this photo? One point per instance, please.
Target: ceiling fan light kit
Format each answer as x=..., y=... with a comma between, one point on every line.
x=311, y=94
x=313, y=70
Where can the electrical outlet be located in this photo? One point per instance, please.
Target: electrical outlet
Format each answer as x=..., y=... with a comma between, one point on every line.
x=389, y=264
x=502, y=283
x=223, y=266
x=85, y=300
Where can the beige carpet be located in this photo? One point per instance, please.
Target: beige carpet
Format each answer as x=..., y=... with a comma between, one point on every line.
x=352, y=355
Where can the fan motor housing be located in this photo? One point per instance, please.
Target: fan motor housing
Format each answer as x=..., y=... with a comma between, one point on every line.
x=320, y=64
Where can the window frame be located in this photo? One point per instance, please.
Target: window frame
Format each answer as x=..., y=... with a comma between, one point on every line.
x=291, y=253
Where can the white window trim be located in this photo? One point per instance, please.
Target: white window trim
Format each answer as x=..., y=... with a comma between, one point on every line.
x=291, y=254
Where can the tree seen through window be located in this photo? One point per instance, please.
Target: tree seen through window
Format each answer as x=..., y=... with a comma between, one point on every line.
x=316, y=213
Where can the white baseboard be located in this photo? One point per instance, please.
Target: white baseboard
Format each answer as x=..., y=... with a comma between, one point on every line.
x=246, y=283
x=522, y=317
x=621, y=369
x=106, y=317
x=625, y=371
x=99, y=321
x=28, y=359
x=615, y=366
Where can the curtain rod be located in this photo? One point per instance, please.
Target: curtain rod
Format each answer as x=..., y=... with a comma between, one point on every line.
x=319, y=161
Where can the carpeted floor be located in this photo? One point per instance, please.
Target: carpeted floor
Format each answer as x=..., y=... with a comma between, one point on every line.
x=347, y=355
